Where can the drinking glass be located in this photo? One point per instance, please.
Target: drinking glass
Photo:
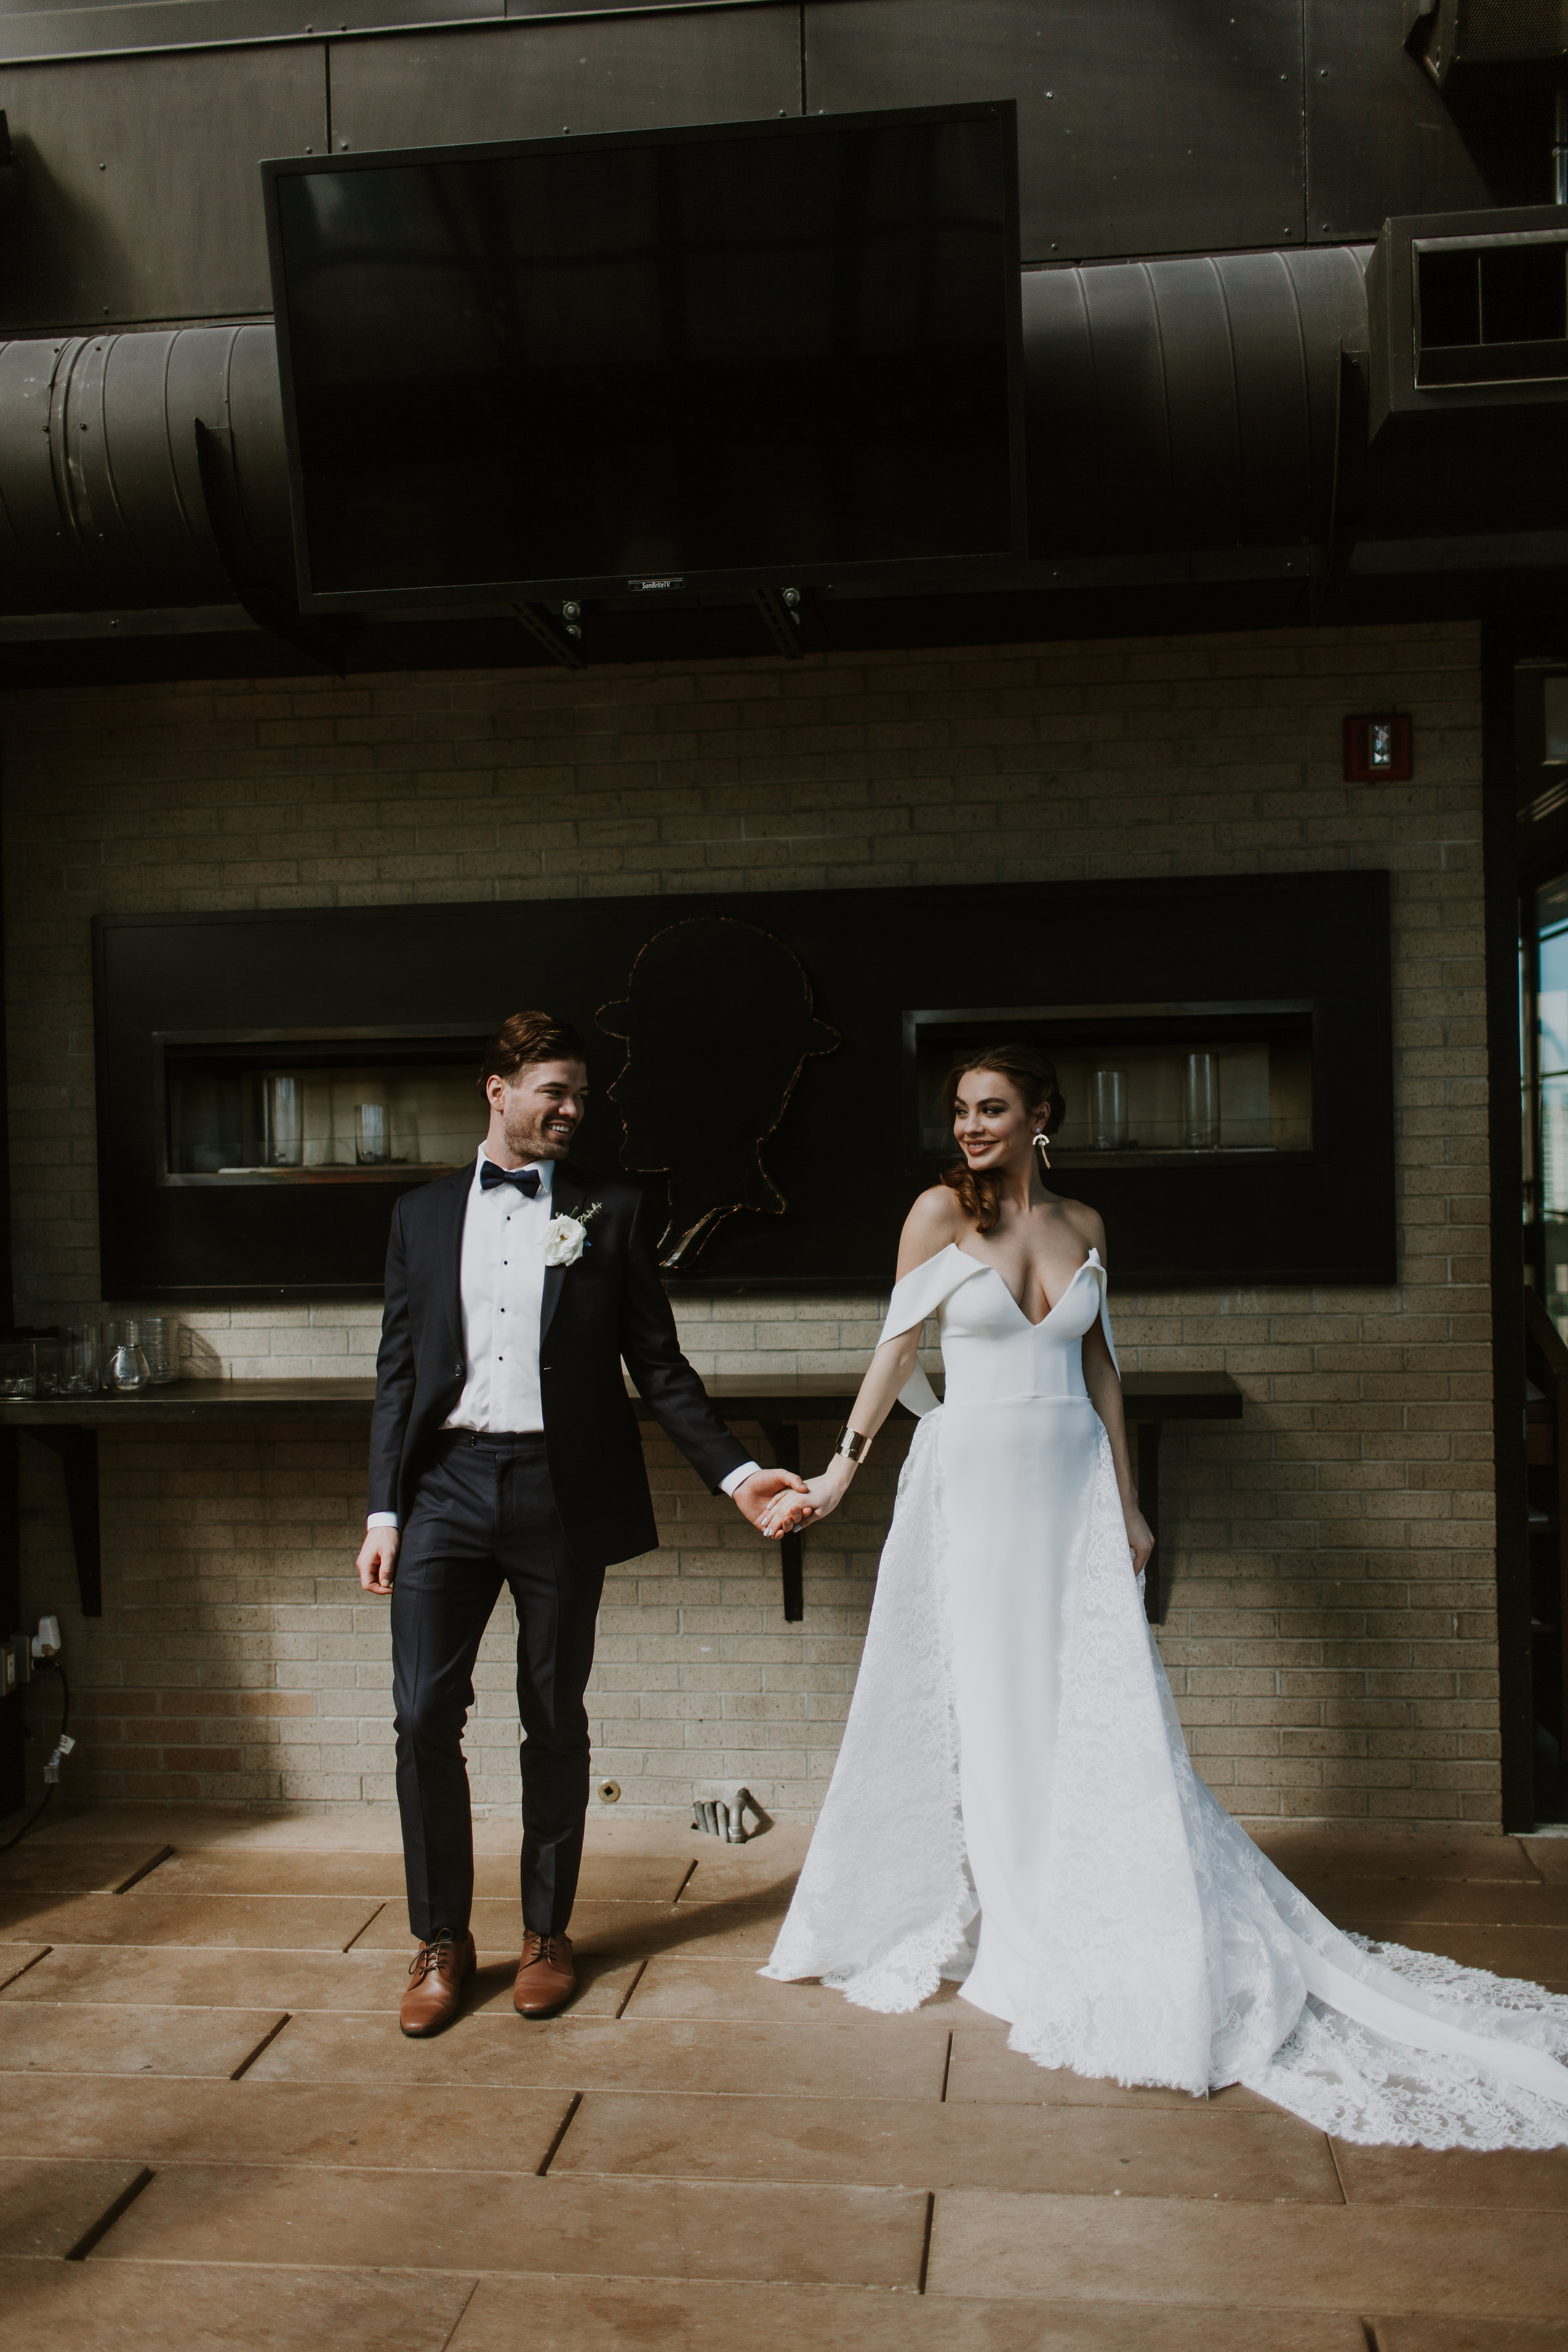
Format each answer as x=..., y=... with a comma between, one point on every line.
x=160, y=1339
x=127, y=1369
x=46, y=1367
x=78, y=1359
x=282, y=1121
x=372, y=1134
x=18, y=1373
x=1108, y=1095
x=1201, y=1103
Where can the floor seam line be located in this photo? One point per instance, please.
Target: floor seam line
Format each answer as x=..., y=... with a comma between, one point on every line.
x=563, y=2127
x=268, y=2039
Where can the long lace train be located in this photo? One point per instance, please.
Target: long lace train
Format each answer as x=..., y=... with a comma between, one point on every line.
x=1168, y=1949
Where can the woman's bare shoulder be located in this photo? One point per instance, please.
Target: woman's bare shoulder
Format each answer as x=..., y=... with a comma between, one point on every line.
x=935, y=1219
x=1087, y=1223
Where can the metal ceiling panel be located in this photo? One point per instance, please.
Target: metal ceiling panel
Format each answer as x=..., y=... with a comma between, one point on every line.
x=1164, y=129
x=136, y=195
x=1380, y=138
x=531, y=80
x=67, y=32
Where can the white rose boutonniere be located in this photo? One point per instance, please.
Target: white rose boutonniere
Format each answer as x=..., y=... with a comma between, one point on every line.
x=565, y=1238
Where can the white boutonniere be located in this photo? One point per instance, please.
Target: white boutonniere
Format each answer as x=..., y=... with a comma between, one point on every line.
x=565, y=1238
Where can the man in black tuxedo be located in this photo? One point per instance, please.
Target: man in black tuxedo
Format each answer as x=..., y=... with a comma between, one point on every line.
x=504, y=1450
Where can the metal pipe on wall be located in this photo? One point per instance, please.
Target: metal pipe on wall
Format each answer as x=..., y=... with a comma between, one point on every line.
x=101, y=503
x=1184, y=419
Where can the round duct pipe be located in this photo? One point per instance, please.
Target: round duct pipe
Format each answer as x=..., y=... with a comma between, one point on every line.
x=1176, y=405
x=1172, y=406
x=101, y=498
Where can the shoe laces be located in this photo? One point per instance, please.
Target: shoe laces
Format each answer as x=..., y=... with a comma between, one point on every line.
x=429, y=1956
x=536, y=1948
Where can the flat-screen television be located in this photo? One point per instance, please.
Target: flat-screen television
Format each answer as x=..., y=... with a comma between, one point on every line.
x=731, y=356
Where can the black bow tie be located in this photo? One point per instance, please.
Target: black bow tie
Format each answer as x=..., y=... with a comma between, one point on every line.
x=523, y=1180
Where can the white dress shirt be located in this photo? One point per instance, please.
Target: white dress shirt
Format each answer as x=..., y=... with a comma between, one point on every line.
x=501, y=1291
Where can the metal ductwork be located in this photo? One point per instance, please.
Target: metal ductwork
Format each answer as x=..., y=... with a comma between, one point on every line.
x=1188, y=406
x=102, y=501
x=1189, y=420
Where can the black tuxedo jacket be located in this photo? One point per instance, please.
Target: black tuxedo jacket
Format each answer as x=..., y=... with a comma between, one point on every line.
x=610, y=1305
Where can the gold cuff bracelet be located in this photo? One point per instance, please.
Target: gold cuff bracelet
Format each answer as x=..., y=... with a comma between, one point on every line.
x=852, y=1444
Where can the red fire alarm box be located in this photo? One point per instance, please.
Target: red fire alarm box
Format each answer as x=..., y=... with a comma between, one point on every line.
x=1379, y=750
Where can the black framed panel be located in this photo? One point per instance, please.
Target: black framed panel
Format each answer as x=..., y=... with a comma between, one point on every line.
x=748, y=1060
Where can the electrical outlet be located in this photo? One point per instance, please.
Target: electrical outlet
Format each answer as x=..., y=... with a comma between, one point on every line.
x=18, y=1662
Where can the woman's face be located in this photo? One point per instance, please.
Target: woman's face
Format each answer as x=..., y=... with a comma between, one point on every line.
x=990, y=1121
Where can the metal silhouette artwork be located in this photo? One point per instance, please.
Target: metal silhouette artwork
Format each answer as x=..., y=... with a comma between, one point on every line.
x=718, y=1025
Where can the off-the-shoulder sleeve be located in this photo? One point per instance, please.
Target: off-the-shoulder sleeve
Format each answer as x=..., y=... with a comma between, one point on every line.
x=1103, y=1280
x=919, y=1293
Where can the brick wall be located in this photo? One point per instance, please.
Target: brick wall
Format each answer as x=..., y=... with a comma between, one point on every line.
x=1330, y=1634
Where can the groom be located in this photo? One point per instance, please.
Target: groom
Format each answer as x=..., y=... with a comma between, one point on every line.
x=504, y=1450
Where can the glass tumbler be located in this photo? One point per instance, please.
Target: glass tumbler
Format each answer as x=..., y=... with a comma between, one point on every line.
x=1200, y=1103
x=127, y=1369
x=372, y=1134
x=282, y=1121
x=160, y=1338
x=46, y=1367
x=78, y=1359
x=1108, y=1099
x=18, y=1371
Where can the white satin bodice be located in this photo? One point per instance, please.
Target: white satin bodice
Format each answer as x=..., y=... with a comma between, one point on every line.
x=991, y=1352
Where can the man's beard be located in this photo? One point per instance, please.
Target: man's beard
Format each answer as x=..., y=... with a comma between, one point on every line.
x=527, y=1141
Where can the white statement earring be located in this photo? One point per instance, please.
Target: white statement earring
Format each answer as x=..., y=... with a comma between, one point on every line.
x=1041, y=1139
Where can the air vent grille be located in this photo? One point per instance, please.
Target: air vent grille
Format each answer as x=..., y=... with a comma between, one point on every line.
x=1491, y=309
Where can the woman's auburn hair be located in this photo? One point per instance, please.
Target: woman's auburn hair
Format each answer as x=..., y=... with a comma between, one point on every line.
x=1033, y=1077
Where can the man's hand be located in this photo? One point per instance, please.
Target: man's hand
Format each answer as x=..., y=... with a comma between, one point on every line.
x=752, y=1497
x=377, y=1554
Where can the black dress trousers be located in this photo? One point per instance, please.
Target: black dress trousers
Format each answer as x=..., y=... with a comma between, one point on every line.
x=483, y=1516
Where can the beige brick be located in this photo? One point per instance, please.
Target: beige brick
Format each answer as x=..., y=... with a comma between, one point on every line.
x=1330, y=1634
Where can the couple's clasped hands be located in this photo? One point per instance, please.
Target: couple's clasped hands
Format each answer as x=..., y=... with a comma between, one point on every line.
x=789, y=1512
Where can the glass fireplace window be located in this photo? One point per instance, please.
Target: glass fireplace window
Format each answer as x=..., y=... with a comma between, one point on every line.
x=1143, y=1085
x=304, y=1110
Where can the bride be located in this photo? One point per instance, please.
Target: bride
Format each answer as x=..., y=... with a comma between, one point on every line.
x=1013, y=1804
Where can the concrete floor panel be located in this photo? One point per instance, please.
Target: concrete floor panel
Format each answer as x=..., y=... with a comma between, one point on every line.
x=83, y=2308
x=163, y=2122
x=49, y=2212
x=597, y=2315
x=77, y=2039
x=1142, y=2251
x=497, y=2222
x=148, y=1914
x=1090, y=2151
x=874, y=2060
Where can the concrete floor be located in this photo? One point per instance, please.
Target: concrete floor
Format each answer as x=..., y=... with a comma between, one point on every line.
x=216, y=2135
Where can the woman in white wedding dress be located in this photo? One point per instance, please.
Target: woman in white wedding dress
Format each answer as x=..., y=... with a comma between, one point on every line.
x=1013, y=1804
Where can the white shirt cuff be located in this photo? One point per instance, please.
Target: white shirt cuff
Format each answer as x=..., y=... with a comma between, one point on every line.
x=381, y=1519
x=738, y=1477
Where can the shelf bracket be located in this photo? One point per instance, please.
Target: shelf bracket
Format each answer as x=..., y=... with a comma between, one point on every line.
x=784, y=1436
x=1156, y=1599
x=78, y=1452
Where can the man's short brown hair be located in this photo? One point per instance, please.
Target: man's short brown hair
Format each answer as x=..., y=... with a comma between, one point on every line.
x=524, y=1038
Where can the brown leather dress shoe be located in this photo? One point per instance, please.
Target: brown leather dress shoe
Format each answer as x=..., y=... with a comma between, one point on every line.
x=439, y=1969
x=546, y=1979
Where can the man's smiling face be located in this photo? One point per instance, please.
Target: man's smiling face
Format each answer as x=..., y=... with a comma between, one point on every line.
x=535, y=1113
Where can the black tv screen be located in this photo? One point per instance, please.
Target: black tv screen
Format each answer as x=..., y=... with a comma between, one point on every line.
x=743, y=353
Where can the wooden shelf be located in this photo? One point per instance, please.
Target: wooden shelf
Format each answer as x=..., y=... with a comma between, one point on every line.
x=68, y=1427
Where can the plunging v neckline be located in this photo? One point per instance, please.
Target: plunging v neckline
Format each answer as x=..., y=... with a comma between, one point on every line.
x=990, y=1267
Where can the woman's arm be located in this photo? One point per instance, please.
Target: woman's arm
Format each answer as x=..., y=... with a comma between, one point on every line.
x=932, y=1224
x=1105, y=1394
